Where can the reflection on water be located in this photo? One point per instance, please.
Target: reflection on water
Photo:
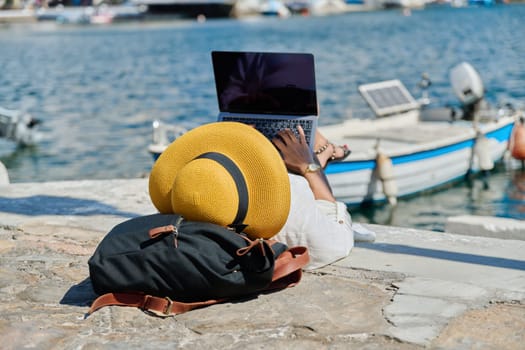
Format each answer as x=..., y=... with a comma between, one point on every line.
x=514, y=199
x=504, y=197
x=13, y=156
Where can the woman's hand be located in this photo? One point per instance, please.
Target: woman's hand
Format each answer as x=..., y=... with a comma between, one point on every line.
x=295, y=151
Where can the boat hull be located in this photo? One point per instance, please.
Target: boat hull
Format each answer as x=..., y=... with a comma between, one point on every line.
x=419, y=167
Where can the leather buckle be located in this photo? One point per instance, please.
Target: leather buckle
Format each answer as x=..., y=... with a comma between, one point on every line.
x=169, y=306
x=157, y=307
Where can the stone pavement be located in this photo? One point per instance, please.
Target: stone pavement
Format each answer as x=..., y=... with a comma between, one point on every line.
x=410, y=289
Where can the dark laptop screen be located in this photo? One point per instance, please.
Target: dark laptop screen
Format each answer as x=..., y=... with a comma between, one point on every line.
x=265, y=82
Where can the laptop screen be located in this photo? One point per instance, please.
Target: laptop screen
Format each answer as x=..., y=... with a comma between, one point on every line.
x=265, y=82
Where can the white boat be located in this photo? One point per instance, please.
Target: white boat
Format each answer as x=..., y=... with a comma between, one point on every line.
x=403, y=155
x=409, y=148
x=274, y=8
x=100, y=14
x=255, y=8
x=415, y=4
x=17, y=127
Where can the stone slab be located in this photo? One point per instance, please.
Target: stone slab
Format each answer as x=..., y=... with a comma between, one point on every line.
x=487, y=226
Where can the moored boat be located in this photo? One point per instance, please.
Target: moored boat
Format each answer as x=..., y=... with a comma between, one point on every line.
x=424, y=155
x=18, y=127
x=274, y=8
x=426, y=148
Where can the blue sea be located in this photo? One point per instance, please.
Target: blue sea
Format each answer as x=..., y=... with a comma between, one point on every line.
x=97, y=89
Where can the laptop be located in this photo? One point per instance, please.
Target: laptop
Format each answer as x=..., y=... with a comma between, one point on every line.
x=268, y=90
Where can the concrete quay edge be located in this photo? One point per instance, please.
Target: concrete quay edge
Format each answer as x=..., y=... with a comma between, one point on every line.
x=411, y=289
x=487, y=226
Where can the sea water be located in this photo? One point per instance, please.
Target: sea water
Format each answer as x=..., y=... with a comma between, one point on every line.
x=97, y=89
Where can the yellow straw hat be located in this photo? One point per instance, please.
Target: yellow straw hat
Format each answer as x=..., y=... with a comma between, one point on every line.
x=225, y=173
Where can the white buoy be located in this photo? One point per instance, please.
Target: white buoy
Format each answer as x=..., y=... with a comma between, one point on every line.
x=385, y=171
x=4, y=176
x=482, y=152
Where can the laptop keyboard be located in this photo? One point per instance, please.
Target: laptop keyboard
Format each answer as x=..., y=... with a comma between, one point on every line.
x=270, y=127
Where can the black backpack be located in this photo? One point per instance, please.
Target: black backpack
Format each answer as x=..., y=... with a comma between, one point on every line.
x=166, y=265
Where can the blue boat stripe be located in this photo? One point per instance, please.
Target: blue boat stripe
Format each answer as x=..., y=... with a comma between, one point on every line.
x=501, y=135
x=433, y=153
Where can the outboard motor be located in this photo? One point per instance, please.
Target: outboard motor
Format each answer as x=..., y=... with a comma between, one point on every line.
x=468, y=87
x=18, y=127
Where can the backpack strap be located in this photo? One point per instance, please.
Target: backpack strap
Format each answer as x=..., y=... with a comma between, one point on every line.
x=288, y=268
x=287, y=273
x=162, y=307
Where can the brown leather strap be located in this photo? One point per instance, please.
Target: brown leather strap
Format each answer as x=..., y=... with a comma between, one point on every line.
x=288, y=268
x=162, y=307
x=156, y=231
x=289, y=261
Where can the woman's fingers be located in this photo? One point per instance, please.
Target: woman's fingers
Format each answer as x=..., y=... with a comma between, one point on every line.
x=287, y=135
x=302, y=136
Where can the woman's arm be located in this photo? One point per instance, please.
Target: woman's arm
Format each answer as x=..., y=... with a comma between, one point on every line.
x=297, y=156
